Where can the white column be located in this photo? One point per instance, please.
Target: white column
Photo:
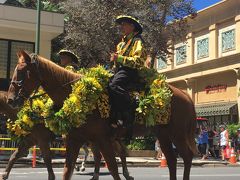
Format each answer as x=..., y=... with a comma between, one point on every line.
x=190, y=48
x=237, y=30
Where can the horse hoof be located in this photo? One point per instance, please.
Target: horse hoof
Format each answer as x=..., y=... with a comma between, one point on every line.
x=82, y=169
x=77, y=168
x=93, y=178
x=130, y=178
x=51, y=177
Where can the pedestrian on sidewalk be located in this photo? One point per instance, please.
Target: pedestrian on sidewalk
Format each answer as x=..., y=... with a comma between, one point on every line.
x=210, y=148
x=223, y=140
x=202, y=142
x=158, y=150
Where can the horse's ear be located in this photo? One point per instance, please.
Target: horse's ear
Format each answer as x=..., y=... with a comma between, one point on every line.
x=25, y=55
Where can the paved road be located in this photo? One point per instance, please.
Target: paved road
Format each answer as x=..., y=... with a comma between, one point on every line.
x=220, y=173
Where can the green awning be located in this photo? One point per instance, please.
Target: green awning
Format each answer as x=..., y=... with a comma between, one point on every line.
x=216, y=109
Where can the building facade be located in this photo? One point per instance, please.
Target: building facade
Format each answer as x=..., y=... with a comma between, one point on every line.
x=17, y=32
x=207, y=63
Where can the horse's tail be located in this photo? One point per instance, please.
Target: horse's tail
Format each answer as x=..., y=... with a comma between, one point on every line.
x=190, y=135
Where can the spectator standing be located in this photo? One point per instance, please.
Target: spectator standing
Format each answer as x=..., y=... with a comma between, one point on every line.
x=158, y=150
x=223, y=140
x=210, y=147
x=202, y=142
x=216, y=140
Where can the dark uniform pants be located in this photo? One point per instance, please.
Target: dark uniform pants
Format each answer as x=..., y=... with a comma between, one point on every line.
x=119, y=87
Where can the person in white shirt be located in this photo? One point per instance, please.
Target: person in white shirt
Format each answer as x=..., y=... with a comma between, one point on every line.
x=223, y=140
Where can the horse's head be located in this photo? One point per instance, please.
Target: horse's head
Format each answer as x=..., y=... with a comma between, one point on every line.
x=24, y=81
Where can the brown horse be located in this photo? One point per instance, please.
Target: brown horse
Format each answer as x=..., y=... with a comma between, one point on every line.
x=39, y=135
x=180, y=130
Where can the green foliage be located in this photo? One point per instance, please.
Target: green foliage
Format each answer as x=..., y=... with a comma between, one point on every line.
x=142, y=143
x=232, y=129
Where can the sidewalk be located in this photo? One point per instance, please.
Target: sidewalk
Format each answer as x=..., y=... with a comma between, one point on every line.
x=131, y=161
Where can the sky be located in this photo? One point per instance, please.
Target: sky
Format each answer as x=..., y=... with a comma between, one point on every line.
x=201, y=4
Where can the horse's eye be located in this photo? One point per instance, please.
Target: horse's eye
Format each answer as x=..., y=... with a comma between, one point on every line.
x=17, y=83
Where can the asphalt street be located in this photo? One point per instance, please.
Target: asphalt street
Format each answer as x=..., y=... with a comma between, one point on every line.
x=197, y=173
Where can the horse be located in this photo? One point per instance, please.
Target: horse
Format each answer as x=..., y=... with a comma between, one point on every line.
x=40, y=135
x=180, y=130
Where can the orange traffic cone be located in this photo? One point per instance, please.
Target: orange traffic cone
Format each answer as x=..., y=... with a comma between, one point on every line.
x=232, y=159
x=105, y=164
x=163, y=162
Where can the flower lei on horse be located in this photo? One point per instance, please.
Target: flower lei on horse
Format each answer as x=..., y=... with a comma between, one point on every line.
x=90, y=93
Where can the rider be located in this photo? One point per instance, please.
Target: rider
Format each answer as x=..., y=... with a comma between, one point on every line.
x=129, y=58
x=68, y=60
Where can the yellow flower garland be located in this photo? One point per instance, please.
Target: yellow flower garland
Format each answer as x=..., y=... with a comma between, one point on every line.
x=30, y=115
x=88, y=94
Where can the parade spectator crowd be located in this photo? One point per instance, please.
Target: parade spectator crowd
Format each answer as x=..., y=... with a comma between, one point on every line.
x=216, y=144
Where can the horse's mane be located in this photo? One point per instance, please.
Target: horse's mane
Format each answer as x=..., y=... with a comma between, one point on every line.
x=63, y=75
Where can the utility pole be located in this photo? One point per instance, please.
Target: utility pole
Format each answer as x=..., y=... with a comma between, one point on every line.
x=37, y=38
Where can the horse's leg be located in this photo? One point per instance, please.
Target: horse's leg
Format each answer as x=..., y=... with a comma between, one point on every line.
x=72, y=150
x=86, y=152
x=167, y=149
x=97, y=159
x=45, y=149
x=108, y=154
x=22, y=148
x=119, y=147
x=187, y=156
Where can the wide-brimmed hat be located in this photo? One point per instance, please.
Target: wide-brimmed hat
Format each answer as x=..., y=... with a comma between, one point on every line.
x=222, y=126
x=69, y=53
x=131, y=20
